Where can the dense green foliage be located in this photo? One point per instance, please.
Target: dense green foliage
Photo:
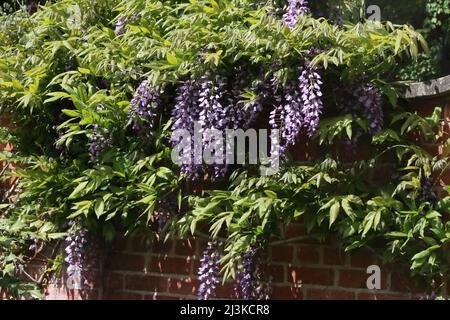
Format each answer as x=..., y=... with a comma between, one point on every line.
x=432, y=19
x=63, y=71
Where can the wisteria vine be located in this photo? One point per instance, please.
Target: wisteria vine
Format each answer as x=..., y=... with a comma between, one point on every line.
x=209, y=271
x=78, y=257
x=144, y=108
x=252, y=284
x=294, y=10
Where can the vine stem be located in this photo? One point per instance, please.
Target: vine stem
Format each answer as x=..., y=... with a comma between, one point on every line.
x=290, y=240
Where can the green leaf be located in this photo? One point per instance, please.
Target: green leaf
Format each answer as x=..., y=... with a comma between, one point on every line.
x=172, y=59
x=271, y=194
x=84, y=71
x=99, y=207
x=78, y=190
x=334, y=212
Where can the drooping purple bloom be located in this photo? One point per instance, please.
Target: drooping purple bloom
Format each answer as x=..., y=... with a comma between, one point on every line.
x=294, y=10
x=119, y=27
x=369, y=97
x=235, y=113
x=287, y=115
x=185, y=112
x=99, y=141
x=251, y=284
x=144, y=107
x=298, y=105
x=213, y=105
x=164, y=210
x=427, y=191
x=78, y=258
x=209, y=271
x=310, y=83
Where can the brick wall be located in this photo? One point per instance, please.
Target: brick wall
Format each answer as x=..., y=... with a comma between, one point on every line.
x=306, y=270
x=135, y=268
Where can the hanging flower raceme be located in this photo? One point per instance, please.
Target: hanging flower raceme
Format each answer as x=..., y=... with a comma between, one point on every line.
x=100, y=141
x=209, y=271
x=164, y=210
x=297, y=105
x=213, y=105
x=119, y=26
x=369, y=97
x=185, y=112
x=77, y=256
x=287, y=116
x=310, y=83
x=144, y=107
x=427, y=191
x=251, y=285
x=294, y=10
x=236, y=114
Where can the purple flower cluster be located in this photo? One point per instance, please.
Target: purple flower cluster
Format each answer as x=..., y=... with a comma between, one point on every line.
x=184, y=114
x=251, y=284
x=294, y=10
x=210, y=102
x=369, y=99
x=77, y=254
x=162, y=214
x=99, y=142
x=209, y=271
x=298, y=105
x=427, y=191
x=310, y=83
x=287, y=115
x=119, y=27
x=144, y=107
x=237, y=115
x=36, y=245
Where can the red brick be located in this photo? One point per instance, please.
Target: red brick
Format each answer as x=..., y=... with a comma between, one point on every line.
x=170, y=265
x=282, y=253
x=156, y=296
x=307, y=275
x=445, y=178
x=286, y=293
x=402, y=282
x=120, y=243
x=184, y=287
x=362, y=258
x=424, y=110
x=185, y=247
x=226, y=291
x=308, y=255
x=128, y=262
x=294, y=231
x=381, y=296
x=329, y=294
x=357, y=279
x=122, y=296
x=141, y=244
x=147, y=283
x=162, y=247
x=113, y=281
x=276, y=272
x=334, y=256
x=305, y=151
